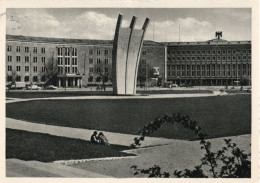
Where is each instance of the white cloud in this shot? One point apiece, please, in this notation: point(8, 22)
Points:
point(93, 25)
point(190, 29)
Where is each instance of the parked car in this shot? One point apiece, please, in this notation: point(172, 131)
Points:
point(35, 87)
point(174, 85)
point(51, 87)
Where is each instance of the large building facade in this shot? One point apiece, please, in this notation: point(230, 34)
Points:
point(81, 62)
point(213, 62)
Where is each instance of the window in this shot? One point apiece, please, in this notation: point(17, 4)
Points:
point(17, 48)
point(74, 52)
point(43, 78)
point(26, 68)
point(223, 58)
point(35, 78)
point(75, 70)
point(34, 68)
point(59, 51)
point(173, 70)
point(9, 48)
point(228, 58)
point(43, 50)
point(188, 58)
point(106, 70)
point(208, 52)
point(183, 52)
point(9, 68)
point(244, 51)
point(26, 78)
point(67, 69)
point(193, 58)
point(188, 70)
point(193, 52)
point(67, 51)
point(60, 70)
point(198, 70)
point(9, 58)
point(18, 58)
point(18, 78)
point(144, 52)
point(178, 70)
point(244, 57)
point(233, 51)
point(208, 58)
point(74, 61)
point(98, 79)
point(229, 52)
point(213, 70)
point(203, 70)
point(223, 70)
point(98, 51)
point(228, 70)
point(26, 49)
point(34, 59)
point(34, 49)
point(223, 52)
point(183, 58)
point(98, 70)
point(18, 68)
point(60, 61)
point(198, 58)
point(193, 70)
point(106, 52)
point(9, 78)
point(26, 59)
point(214, 52)
point(208, 70)
point(90, 60)
point(233, 58)
point(43, 60)
point(183, 70)
point(198, 52)
point(67, 60)
point(234, 70)
point(219, 58)
point(203, 52)
point(90, 79)
point(188, 52)
point(218, 70)
point(213, 58)
point(219, 52)
point(106, 61)
point(98, 60)
point(244, 69)
point(249, 51)
point(203, 58)
point(91, 69)
point(90, 52)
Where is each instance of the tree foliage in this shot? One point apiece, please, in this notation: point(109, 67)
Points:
point(235, 163)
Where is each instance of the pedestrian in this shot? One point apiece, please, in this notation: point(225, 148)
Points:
point(94, 138)
point(102, 139)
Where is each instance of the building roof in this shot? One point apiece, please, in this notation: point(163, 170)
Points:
point(70, 41)
point(215, 41)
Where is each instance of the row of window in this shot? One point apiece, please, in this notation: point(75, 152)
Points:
point(207, 70)
point(26, 49)
point(98, 60)
point(98, 52)
point(209, 52)
point(67, 61)
point(26, 78)
point(67, 70)
point(26, 59)
point(67, 52)
point(98, 70)
point(26, 68)
point(209, 58)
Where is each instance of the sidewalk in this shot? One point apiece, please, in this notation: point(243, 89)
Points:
point(153, 96)
point(85, 134)
point(19, 168)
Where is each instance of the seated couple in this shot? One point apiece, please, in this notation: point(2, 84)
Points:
point(99, 139)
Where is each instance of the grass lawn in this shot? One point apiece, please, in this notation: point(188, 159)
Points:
point(46, 148)
point(46, 94)
point(218, 116)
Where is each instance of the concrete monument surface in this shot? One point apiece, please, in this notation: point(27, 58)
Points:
point(127, 48)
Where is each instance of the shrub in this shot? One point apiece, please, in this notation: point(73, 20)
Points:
point(235, 163)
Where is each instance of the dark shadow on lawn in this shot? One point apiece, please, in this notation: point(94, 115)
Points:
point(47, 148)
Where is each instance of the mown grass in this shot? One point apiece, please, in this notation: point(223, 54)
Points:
point(46, 148)
point(218, 116)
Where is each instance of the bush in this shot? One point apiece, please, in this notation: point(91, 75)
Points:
point(235, 163)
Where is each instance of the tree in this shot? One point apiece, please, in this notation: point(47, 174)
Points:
point(104, 72)
point(144, 72)
point(50, 74)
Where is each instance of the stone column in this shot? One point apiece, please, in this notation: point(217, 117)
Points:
point(59, 82)
point(66, 82)
point(78, 82)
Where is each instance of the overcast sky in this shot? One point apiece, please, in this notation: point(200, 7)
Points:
point(100, 23)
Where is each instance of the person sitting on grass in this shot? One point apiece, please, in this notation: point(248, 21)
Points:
point(94, 138)
point(102, 139)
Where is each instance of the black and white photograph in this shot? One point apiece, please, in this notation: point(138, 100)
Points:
point(129, 92)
